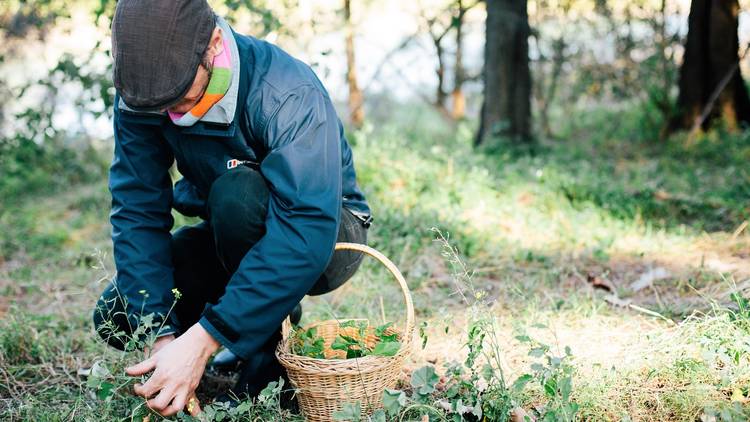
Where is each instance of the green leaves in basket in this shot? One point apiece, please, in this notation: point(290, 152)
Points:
point(388, 344)
point(382, 332)
point(308, 343)
point(386, 348)
point(424, 379)
point(360, 325)
point(353, 347)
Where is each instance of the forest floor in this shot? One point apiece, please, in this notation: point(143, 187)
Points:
point(626, 251)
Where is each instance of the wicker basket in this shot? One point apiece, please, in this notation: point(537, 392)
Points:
point(324, 385)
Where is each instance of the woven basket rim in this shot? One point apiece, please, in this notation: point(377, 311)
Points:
point(364, 364)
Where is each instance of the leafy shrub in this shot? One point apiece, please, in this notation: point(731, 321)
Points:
point(27, 167)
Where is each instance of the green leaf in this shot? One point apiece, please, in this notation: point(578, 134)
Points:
point(477, 410)
point(339, 343)
point(573, 408)
point(354, 353)
point(386, 348)
point(147, 320)
point(423, 333)
point(349, 339)
point(537, 352)
point(99, 370)
point(453, 391)
point(550, 388)
point(487, 372)
point(308, 343)
point(381, 329)
point(382, 332)
point(311, 333)
point(551, 416)
point(105, 390)
point(378, 416)
point(349, 323)
point(244, 407)
point(272, 390)
point(424, 380)
point(393, 401)
point(521, 382)
point(566, 387)
point(349, 412)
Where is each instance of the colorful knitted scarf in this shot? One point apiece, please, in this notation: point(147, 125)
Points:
point(221, 78)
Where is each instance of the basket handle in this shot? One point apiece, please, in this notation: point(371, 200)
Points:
point(341, 246)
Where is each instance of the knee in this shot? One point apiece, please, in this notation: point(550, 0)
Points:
point(110, 319)
point(238, 204)
point(184, 241)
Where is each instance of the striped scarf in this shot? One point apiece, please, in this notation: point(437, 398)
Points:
point(221, 77)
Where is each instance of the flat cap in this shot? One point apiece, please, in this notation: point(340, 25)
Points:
point(157, 47)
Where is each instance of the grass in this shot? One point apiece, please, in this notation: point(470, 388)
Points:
point(599, 207)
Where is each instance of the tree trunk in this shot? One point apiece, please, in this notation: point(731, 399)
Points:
point(506, 111)
point(356, 99)
point(440, 94)
point(710, 83)
point(458, 111)
point(558, 60)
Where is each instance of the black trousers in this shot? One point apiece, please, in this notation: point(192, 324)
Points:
point(207, 254)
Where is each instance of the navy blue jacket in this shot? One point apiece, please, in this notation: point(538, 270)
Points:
point(282, 119)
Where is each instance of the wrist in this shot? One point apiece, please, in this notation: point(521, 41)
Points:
point(207, 342)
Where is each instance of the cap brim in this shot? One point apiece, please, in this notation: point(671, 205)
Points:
point(161, 106)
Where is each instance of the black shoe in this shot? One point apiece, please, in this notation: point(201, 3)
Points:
point(224, 362)
point(296, 315)
point(227, 363)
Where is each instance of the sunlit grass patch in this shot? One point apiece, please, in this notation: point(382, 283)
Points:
point(678, 374)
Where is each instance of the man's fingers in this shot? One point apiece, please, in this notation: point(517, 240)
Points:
point(161, 401)
point(144, 367)
point(138, 389)
point(145, 390)
point(178, 403)
point(150, 387)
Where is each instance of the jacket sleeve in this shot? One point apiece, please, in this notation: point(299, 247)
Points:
point(303, 172)
point(141, 219)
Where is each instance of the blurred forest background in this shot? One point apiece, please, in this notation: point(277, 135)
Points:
point(514, 72)
point(589, 159)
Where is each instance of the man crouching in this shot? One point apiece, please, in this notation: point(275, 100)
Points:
point(266, 167)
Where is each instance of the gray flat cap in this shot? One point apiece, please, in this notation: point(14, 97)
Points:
point(157, 46)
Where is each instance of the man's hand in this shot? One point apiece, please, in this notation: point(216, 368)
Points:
point(178, 366)
point(158, 344)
